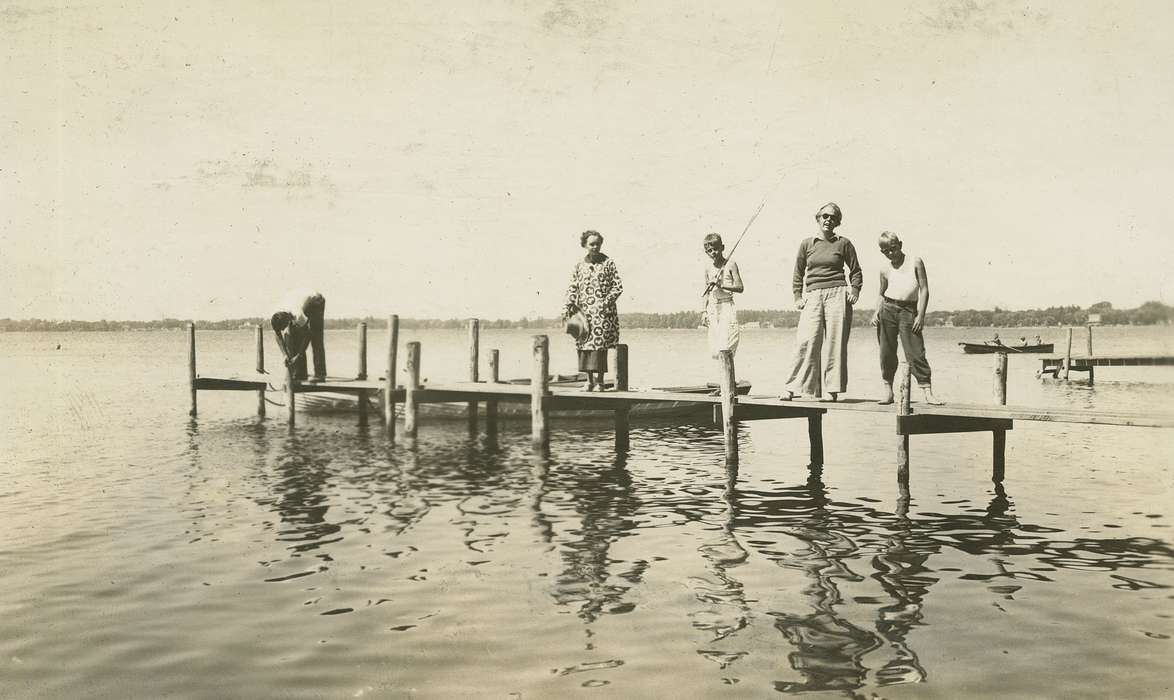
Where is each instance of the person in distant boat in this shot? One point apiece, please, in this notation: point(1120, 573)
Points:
point(595, 286)
point(299, 325)
point(824, 294)
point(900, 313)
point(722, 281)
point(1039, 340)
point(995, 340)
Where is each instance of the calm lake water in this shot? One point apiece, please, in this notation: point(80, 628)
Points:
point(147, 555)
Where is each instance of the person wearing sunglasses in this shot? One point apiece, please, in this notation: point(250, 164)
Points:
point(826, 283)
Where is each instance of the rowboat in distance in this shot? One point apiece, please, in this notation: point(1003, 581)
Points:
point(329, 402)
point(991, 347)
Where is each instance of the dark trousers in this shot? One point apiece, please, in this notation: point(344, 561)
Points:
point(896, 321)
point(314, 308)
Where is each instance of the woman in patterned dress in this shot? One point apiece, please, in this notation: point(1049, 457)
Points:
point(595, 286)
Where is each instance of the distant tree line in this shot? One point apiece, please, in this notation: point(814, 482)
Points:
point(1149, 313)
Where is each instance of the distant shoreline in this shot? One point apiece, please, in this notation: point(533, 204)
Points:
point(1101, 314)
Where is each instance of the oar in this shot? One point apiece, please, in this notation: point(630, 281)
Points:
point(711, 285)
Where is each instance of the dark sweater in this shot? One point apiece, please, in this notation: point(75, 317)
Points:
point(823, 263)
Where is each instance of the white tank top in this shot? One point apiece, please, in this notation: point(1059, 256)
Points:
point(903, 281)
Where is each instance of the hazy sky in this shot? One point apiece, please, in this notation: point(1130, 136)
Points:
point(196, 159)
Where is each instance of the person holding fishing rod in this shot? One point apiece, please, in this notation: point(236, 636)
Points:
point(722, 281)
point(824, 295)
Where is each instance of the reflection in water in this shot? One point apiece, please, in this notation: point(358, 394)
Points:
point(324, 485)
point(729, 611)
point(605, 505)
point(303, 473)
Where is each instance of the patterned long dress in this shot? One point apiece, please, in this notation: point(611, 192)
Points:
point(593, 290)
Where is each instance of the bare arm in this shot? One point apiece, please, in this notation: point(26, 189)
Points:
point(880, 296)
point(922, 295)
point(735, 277)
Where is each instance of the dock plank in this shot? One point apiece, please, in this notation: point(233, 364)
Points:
point(752, 407)
point(1078, 361)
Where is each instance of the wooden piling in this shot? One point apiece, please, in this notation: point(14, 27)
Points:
point(411, 406)
point(728, 388)
point(903, 409)
point(815, 438)
point(1000, 379)
point(999, 444)
point(1091, 369)
point(999, 456)
point(260, 337)
point(192, 365)
point(1068, 356)
point(622, 427)
point(362, 373)
point(539, 431)
point(389, 380)
point(474, 363)
point(289, 394)
point(491, 405)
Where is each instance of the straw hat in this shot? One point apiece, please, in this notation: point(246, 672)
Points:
point(576, 326)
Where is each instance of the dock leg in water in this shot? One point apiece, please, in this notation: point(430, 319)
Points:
point(474, 363)
point(192, 365)
point(491, 404)
point(539, 431)
point(622, 427)
point(260, 337)
point(729, 428)
point(389, 386)
point(999, 456)
point(903, 409)
point(411, 406)
point(815, 437)
point(289, 396)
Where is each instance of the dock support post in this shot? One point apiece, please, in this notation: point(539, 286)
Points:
point(539, 431)
point(622, 385)
point(474, 362)
point(903, 409)
point(260, 336)
point(411, 406)
point(1068, 355)
point(289, 394)
point(389, 381)
point(1091, 369)
point(815, 437)
point(362, 373)
point(999, 452)
point(1000, 383)
point(192, 365)
point(491, 405)
point(999, 445)
point(728, 387)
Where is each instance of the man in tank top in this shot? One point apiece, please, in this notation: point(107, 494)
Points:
point(900, 314)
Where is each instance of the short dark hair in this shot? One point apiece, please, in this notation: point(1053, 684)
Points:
point(588, 234)
point(714, 239)
point(281, 320)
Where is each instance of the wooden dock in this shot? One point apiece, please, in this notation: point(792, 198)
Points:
point(909, 418)
point(1059, 366)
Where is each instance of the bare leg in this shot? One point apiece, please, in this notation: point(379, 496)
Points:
point(887, 397)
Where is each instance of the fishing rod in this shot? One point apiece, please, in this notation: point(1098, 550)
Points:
point(711, 285)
